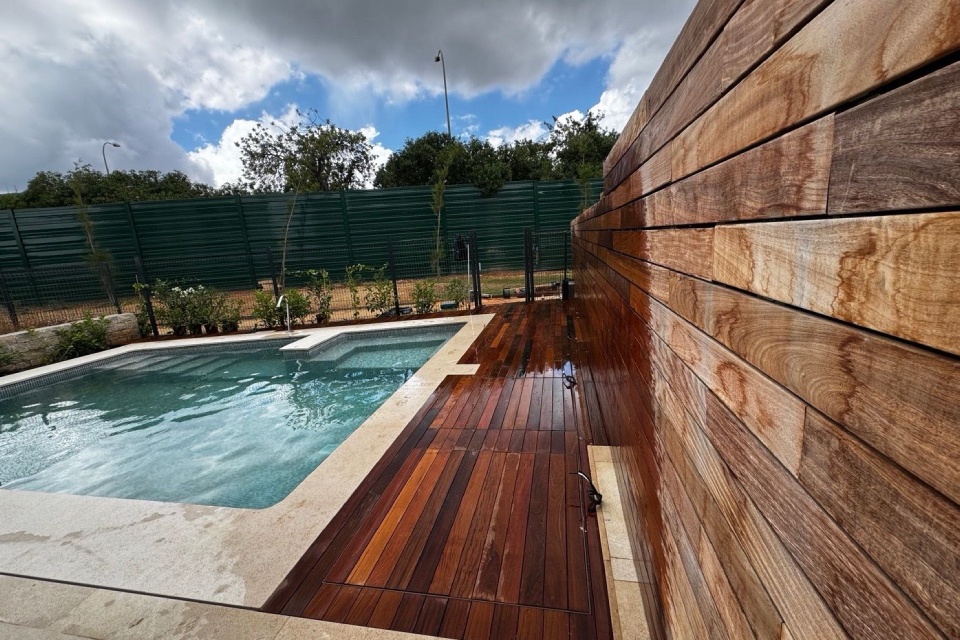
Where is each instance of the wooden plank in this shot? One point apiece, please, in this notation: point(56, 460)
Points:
point(869, 604)
point(447, 567)
point(531, 583)
point(784, 178)
point(530, 624)
point(364, 607)
point(505, 622)
point(912, 532)
point(482, 511)
point(431, 616)
point(455, 619)
point(853, 376)
point(508, 587)
point(775, 416)
point(555, 546)
point(896, 274)
point(489, 570)
point(900, 150)
point(407, 613)
point(479, 621)
point(728, 606)
point(732, 570)
point(693, 573)
point(801, 606)
point(847, 50)
point(374, 549)
point(416, 538)
point(687, 250)
point(758, 28)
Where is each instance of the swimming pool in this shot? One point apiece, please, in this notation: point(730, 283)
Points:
point(232, 425)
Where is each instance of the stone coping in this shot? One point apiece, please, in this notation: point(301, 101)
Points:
point(37, 609)
point(196, 552)
point(627, 610)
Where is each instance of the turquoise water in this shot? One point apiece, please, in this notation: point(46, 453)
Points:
point(232, 426)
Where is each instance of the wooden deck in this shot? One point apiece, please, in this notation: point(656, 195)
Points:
point(472, 525)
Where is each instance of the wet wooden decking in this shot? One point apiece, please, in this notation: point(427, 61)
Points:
point(472, 525)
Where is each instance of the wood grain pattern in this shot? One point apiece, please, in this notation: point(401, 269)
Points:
point(848, 49)
point(885, 273)
point(687, 250)
point(684, 399)
point(869, 604)
point(919, 547)
point(784, 178)
point(853, 376)
point(900, 150)
point(773, 415)
point(758, 28)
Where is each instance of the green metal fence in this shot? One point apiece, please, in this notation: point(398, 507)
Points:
point(247, 226)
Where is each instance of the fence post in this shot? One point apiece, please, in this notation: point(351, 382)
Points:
point(145, 292)
point(345, 215)
point(475, 271)
point(566, 253)
point(273, 274)
point(24, 258)
point(246, 240)
point(8, 302)
point(106, 275)
point(136, 237)
point(528, 264)
point(393, 276)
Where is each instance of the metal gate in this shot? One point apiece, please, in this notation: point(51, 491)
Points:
point(546, 261)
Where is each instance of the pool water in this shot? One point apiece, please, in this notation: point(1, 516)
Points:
point(232, 425)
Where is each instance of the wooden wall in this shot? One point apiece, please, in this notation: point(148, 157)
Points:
point(769, 305)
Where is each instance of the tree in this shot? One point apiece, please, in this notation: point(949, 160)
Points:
point(529, 160)
point(55, 189)
point(579, 147)
point(417, 162)
point(312, 155)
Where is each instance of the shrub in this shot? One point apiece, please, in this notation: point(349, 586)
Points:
point(456, 290)
point(81, 338)
point(229, 317)
point(354, 274)
point(425, 295)
point(379, 291)
point(321, 287)
point(265, 309)
point(6, 357)
point(299, 307)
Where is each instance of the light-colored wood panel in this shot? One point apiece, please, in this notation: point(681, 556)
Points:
point(775, 416)
point(786, 177)
point(912, 532)
point(687, 250)
point(900, 150)
point(849, 48)
point(727, 604)
point(896, 274)
point(636, 123)
point(703, 598)
point(759, 27)
point(869, 604)
point(853, 376)
point(798, 602)
point(742, 580)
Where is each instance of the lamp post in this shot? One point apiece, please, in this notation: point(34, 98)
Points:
point(446, 100)
point(103, 151)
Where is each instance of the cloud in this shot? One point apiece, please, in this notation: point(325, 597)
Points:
point(85, 71)
point(531, 130)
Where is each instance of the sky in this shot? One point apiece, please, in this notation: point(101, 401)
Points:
point(176, 84)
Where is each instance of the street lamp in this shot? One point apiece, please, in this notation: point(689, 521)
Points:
point(103, 150)
point(446, 100)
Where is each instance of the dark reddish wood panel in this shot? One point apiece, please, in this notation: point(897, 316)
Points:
point(473, 526)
